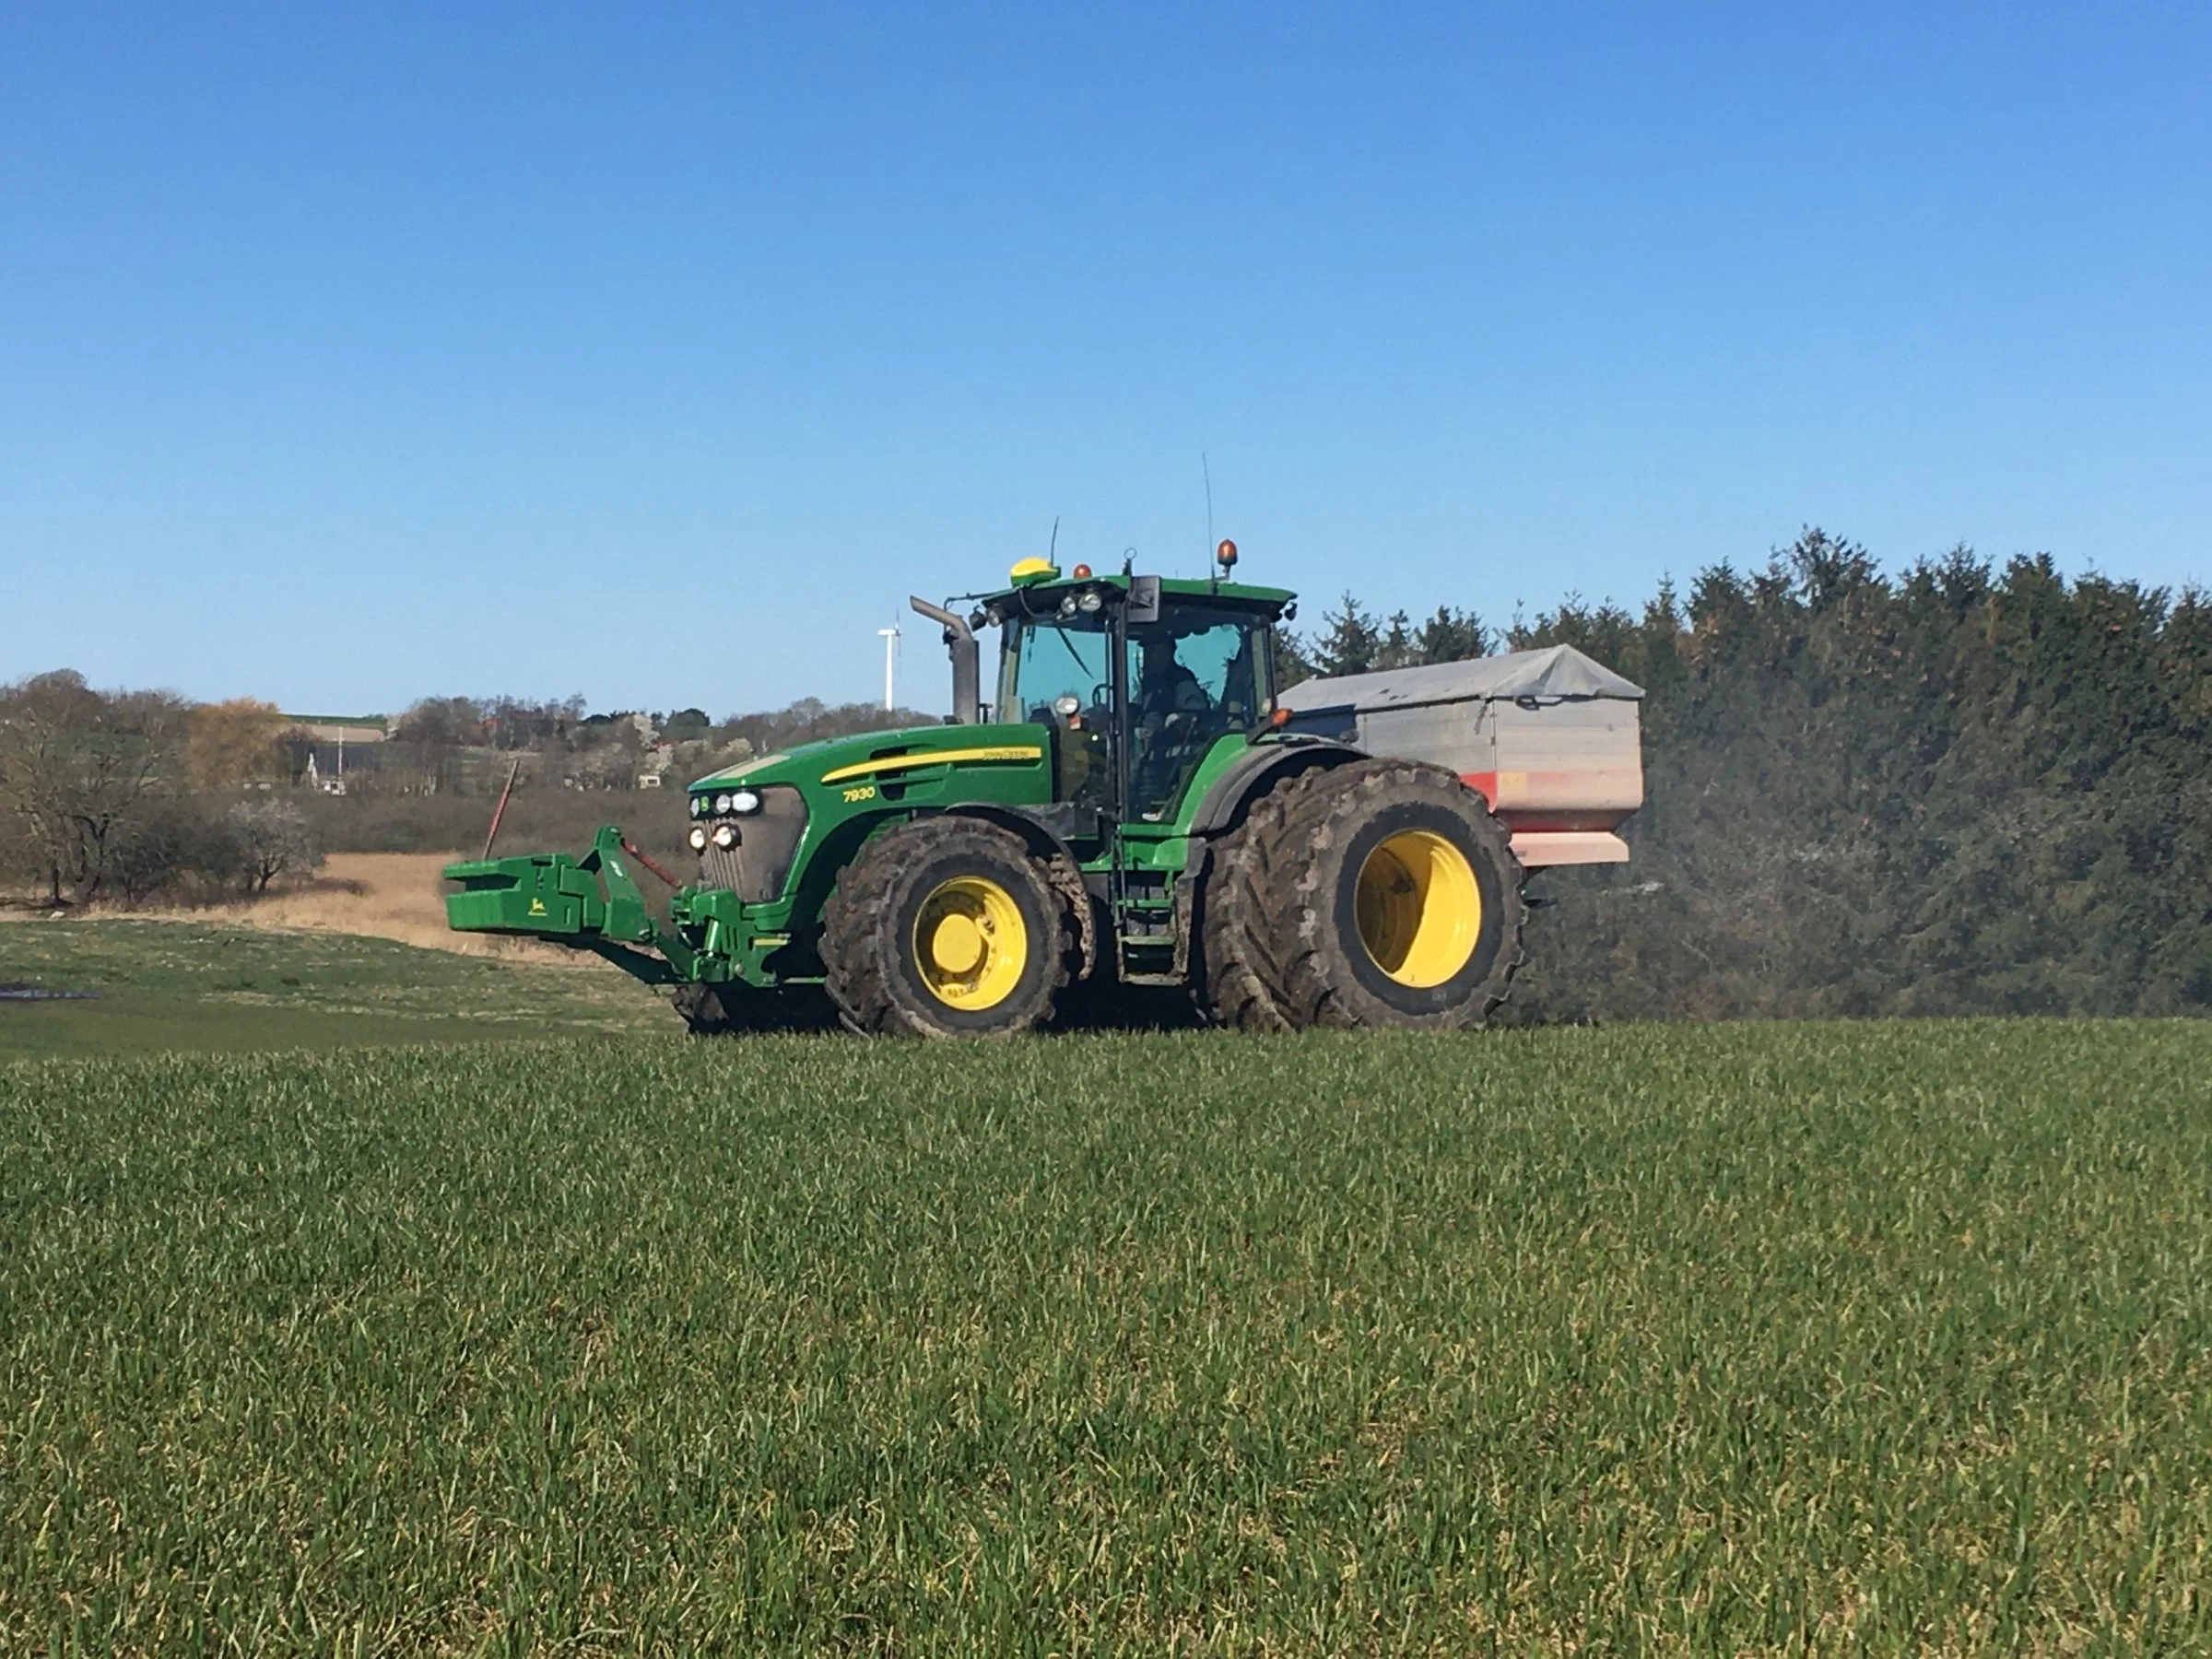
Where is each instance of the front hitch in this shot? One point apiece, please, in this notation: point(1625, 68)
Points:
point(588, 903)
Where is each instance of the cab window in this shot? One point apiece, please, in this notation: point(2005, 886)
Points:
point(1193, 678)
point(1049, 660)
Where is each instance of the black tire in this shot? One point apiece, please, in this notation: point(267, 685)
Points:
point(1231, 986)
point(1281, 937)
point(871, 946)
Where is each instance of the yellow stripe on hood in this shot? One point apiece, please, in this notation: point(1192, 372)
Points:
point(932, 758)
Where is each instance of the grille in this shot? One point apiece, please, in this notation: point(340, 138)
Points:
point(756, 867)
point(720, 869)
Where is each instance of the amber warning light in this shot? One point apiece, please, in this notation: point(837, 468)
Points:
point(1226, 553)
point(1082, 572)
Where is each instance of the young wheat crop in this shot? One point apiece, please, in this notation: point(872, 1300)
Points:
point(1881, 1338)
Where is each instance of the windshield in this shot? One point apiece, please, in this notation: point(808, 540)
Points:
point(1054, 659)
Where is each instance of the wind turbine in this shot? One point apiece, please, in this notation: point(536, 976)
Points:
point(891, 666)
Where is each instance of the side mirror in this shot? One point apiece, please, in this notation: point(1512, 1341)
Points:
point(1144, 599)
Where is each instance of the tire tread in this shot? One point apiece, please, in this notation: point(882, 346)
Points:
point(859, 925)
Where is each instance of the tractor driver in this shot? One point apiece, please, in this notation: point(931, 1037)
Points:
point(1165, 685)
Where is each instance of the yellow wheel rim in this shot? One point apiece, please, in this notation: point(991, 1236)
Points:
point(1420, 908)
point(970, 944)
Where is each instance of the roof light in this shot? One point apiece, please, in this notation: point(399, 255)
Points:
point(1082, 572)
point(1226, 554)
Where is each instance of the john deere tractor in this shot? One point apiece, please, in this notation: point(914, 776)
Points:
point(1136, 808)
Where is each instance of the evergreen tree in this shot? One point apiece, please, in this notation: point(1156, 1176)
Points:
point(1450, 636)
point(1292, 662)
point(1396, 650)
point(1961, 791)
point(1350, 642)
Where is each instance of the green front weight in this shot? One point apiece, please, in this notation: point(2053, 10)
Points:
point(546, 893)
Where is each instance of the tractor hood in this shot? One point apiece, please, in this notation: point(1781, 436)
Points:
point(1009, 763)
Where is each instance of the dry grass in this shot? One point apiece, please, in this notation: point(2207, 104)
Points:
point(383, 896)
point(375, 895)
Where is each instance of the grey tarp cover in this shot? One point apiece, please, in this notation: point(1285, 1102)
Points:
point(1556, 671)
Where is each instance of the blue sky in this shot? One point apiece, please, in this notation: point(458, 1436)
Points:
point(349, 355)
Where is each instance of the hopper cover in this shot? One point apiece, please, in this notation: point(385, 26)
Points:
point(1555, 671)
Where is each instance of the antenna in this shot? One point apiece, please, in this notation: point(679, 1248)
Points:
point(1209, 471)
point(1051, 554)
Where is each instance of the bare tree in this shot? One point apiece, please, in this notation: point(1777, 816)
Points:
point(240, 741)
point(430, 738)
point(274, 838)
point(79, 771)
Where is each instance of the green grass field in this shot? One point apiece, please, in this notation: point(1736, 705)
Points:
point(1893, 1339)
point(162, 986)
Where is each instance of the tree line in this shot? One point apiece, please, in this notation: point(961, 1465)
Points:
point(125, 796)
point(1964, 789)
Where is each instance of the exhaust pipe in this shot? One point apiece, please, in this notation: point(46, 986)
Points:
point(967, 662)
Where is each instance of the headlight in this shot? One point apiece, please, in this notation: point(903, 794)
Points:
point(725, 836)
point(696, 805)
point(1091, 602)
point(1068, 706)
point(1067, 606)
point(744, 800)
point(721, 803)
point(698, 837)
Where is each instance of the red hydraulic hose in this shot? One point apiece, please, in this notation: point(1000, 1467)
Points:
point(631, 848)
point(499, 811)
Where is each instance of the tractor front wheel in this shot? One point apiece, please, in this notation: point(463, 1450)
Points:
point(946, 927)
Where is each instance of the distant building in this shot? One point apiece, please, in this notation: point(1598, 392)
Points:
point(348, 729)
point(328, 765)
point(653, 764)
point(319, 743)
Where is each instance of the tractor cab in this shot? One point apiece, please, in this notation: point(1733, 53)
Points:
point(1138, 677)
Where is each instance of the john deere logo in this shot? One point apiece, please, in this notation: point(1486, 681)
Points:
point(537, 907)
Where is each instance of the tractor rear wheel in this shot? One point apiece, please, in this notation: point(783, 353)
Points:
point(1380, 893)
point(946, 927)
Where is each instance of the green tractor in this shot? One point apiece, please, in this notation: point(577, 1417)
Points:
point(1139, 807)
